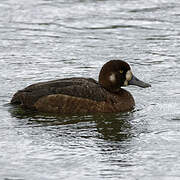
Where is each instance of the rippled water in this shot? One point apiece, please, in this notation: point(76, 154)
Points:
point(49, 39)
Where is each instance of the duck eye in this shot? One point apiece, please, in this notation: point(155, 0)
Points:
point(121, 71)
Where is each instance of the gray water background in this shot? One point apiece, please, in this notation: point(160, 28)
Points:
point(49, 39)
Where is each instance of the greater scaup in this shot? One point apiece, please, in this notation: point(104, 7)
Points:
point(83, 95)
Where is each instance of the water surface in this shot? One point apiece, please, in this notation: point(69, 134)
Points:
point(49, 39)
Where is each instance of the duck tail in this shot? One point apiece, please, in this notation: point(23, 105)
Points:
point(16, 99)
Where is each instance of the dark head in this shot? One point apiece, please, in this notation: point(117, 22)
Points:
point(117, 73)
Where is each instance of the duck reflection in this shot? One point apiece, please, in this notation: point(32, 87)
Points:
point(113, 127)
point(116, 127)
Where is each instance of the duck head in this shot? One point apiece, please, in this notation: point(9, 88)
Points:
point(117, 73)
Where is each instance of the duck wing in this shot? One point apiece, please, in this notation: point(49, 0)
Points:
point(77, 87)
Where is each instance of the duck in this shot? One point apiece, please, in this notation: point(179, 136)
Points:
point(83, 95)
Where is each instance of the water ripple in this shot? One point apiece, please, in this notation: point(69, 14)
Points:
point(50, 39)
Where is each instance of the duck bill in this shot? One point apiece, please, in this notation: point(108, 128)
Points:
point(135, 81)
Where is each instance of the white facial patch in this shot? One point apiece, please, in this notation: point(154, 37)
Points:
point(129, 75)
point(125, 83)
point(112, 78)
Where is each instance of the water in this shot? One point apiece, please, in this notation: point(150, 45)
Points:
point(49, 39)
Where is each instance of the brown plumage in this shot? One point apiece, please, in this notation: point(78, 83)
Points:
point(80, 95)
